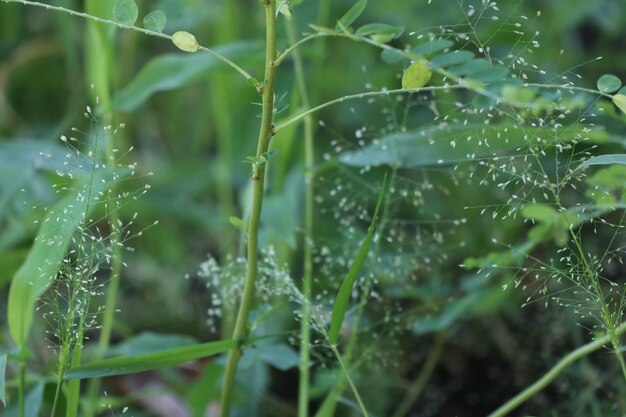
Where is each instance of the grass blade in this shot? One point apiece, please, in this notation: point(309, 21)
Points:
point(138, 363)
point(44, 260)
point(343, 297)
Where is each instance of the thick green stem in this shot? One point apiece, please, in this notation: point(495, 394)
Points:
point(258, 180)
point(551, 375)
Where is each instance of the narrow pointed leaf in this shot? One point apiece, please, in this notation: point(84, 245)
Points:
point(43, 261)
point(351, 15)
point(618, 158)
point(123, 365)
point(343, 296)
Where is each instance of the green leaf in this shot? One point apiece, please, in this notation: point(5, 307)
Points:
point(451, 58)
point(618, 158)
point(416, 75)
point(343, 296)
point(380, 32)
point(171, 71)
point(539, 212)
point(451, 144)
point(351, 15)
point(391, 56)
point(185, 41)
point(43, 261)
point(471, 67)
point(620, 101)
point(3, 367)
point(148, 342)
point(155, 21)
point(138, 363)
point(125, 12)
point(608, 83)
point(279, 355)
point(432, 47)
point(32, 403)
point(238, 223)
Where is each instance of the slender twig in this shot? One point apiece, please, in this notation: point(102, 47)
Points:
point(315, 109)
point(551, 375)
point(258, 180)
point(350, 382)
point(217, 55)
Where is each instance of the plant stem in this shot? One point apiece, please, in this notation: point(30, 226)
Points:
point(418, 385)
point(99, 59)
point(345, 371)
point(551, 375)
point(307, 278)
point(219, 56)
point(21, 388)
point(258, 180)
point(57, 393)
point(363, 95)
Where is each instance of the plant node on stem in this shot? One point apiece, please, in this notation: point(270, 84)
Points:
point(265, 134)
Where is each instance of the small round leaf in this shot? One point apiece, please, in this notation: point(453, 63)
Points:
point(155, 21)
point(185, 41)
point(416, 75)
point(125, 12)
point(608, 83)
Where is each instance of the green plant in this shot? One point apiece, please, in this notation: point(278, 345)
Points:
point(480, 118)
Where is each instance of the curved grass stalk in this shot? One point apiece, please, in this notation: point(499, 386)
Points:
point(551, 375)
point(258, 180)
point(349, 379)
point(217, 55)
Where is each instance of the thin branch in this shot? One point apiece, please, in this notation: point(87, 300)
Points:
point(551, 375)
point(217, 55)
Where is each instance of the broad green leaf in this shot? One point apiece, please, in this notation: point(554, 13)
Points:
point(451, 58)
point(343, 296)
point(471, 67)
point(618, 158)
point(172, 71)
point(351, 15)
point(608, 83)
point(138, 363)
point(43, 261)
point(279, 355)
point(380, 32)
point(391, 56)
point(148, 342)
point(125, 12)
point(620, 101)
point(431, 47)
point(32, 403)
point(3, 367)
point(539, 212)
point(438, 145)
point(185, 41)
point(416, 75)
point(155, 21)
